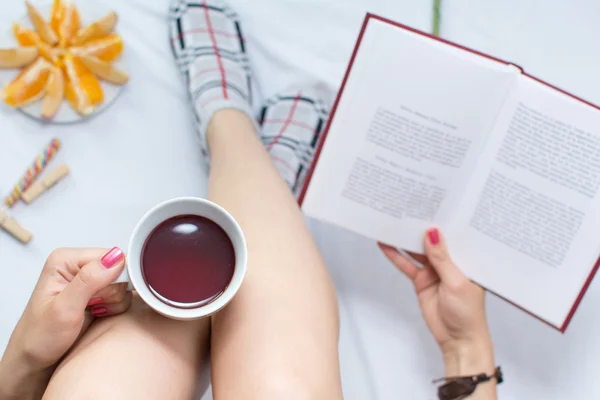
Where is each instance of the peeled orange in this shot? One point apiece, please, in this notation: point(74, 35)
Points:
point(98, 29)
point(55, 93)
point(42, 27)
point(56, 15)
point(108, 48)
point(105, 70)
point(69, 23)
point(28, 86)
point(83, 90)
point(28, 37)
point(18, 58)
point(62, 60)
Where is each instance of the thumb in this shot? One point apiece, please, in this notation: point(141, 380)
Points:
point(91, 278)
point(439, 258)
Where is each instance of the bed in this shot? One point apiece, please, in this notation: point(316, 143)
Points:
point(143, 151)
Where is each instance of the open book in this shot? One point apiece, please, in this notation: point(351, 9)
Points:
point(425, 132)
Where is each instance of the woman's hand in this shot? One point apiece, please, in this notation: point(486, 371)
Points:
point(71, 281)
point(453, 308)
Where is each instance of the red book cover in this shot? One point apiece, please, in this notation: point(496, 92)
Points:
point(369, 17)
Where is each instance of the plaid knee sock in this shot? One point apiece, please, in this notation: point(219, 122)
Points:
point(292, 123)
point(210, 52)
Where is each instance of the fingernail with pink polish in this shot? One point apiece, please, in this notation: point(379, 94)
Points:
point(112, 258)
point(95, 301)
point(98, 311)
point(434, 236)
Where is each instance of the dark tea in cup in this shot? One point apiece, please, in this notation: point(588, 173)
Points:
point(188, 261)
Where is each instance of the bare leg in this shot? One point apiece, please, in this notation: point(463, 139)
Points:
point(278, 338)
point(136, 355)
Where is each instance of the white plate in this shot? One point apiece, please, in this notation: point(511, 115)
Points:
point(89, 13)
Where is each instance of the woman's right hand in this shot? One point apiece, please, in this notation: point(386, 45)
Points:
point(71, 282)
point(453, 308)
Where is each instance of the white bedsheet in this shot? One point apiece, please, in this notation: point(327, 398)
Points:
point(143, 151)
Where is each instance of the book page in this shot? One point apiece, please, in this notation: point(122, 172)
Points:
point(410, 124)
point(534, 203)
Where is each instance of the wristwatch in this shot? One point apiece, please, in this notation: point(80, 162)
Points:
point(460, 387)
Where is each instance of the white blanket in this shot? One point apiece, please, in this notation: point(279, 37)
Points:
point(143, 150)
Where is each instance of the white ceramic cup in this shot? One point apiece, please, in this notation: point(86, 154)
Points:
point(162, 212)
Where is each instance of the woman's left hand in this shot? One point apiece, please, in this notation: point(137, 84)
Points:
point(453, 308)
point(71, 281)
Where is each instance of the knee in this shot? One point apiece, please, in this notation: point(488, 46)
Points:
point(293, 388)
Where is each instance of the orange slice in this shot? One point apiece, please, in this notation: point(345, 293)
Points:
point(69, 23)
point(18, 58)
point(56, 15)
point(27, 37)
point(55, 93)
point(98, 29)
point(108, 48)
point(83, 90)
point(43, 28)
point(105, 70)
point(28, 86)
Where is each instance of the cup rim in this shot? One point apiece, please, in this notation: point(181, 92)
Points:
point(133, 261)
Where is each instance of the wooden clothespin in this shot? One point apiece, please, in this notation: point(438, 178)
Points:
point(11, 226)
point(45, 183)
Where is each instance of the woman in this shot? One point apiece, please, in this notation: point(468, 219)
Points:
point(80, 337)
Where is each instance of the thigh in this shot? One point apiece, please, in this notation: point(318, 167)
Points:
point(136, 355)
point(278, 338)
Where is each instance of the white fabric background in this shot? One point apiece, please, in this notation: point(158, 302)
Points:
point(143, 151)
